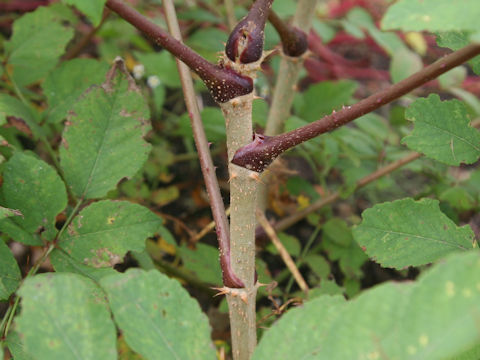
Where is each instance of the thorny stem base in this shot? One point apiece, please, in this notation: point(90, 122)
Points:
point(243, 191)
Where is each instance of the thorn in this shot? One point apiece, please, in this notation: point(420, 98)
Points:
point(254, 176)
point(244, 297)
point(233, 176)
point(221, 291)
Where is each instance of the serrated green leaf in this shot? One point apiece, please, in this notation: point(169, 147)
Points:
point(92, 8)
point(410, 233)
point(455, 40)
point(103, 140)
point(431, 319)
point(39, 39)
point(333, 94)
point(35, 189)
point(442, 131)
point(203, 262)
point(62, 262)
point(64, 316)
point(432, 15)
point(157, 316)
point(102, 233)
point(10, 275)
point(64, 85)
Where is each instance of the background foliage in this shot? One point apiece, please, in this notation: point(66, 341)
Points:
point(101, 189)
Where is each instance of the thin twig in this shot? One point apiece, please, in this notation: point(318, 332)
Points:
point(287, 259)
point(206, 162)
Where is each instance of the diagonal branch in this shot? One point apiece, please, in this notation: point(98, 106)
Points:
point(224, 83)
point(263, 150)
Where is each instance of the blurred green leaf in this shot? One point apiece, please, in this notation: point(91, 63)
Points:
point(39, 39)
point(203, 262)
point(213, 123)
point(455, 40)
point(35, 189)
point(103, 140)
point(102, 233)
point(161, 64)
point(291, 244)
point(65, 85)
point(92, 8)
point(157, 316)
point(393, 320)
point(16, 347)
point(333, 94)
point(64, 316)
point(432, 15)
point(10, 106)
point(404, 63)
point(459, 198)
point(410, 233)
point(10, 275)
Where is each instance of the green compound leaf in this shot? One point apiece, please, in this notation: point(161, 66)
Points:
point(442, 131)
point(64, 316)
point(434, 318)
point(432, 15)
point(35, 189)
point(39, 39)
point(102, 233)
point(92, 8)
point(65, 85)
point(157, 316)
point(10, 275)
point(103, 140)
point(410, 233)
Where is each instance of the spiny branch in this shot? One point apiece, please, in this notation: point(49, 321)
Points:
point(263, 150)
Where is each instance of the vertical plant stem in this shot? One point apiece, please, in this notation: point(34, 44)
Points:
point(206, 163)
point(243, 189)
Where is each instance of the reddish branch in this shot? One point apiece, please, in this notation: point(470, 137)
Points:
point(294, 40)
point(224, 83)
point(245, 43)
point(263, 150)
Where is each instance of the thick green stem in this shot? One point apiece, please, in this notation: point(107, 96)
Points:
point(243, 189)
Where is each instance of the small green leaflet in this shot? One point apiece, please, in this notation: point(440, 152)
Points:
point(102, 233)
point(391, 321)
point(9, 272)
point(39, 39)
point(157, 316)
point(410, 233)
point(65, 316)
point(442, 131)
point(36, 190)
point(432, 15)
point(103, 138)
